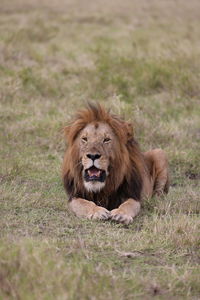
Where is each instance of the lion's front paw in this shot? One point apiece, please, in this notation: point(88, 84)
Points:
point(100, 213)
point(121, 217)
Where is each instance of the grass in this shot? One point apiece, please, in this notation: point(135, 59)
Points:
point(141, 58)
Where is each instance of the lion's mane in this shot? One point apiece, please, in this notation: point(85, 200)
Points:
point(125, 178)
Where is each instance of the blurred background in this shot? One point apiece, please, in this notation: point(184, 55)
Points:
point(141, 59)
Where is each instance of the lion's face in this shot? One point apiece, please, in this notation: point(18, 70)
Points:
point(97, 144)
point(102, 157)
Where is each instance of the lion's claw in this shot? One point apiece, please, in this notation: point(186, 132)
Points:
point(100, 213)
point(121, 217)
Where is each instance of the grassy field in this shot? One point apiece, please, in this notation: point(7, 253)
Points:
point(142, 59)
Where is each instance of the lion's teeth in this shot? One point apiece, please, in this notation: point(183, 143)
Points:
point(94, 173)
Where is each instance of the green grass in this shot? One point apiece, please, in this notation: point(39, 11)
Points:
point(142, 59)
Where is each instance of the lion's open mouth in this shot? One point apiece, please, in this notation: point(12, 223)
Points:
point(94, 174)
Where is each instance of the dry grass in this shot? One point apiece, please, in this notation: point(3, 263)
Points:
point(142, 59)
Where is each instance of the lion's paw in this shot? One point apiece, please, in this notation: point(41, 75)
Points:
point(100, 213)
point(120, 217)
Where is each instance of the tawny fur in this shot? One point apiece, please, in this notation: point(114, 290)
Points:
point(133, 175)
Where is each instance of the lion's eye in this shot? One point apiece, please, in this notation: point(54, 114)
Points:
point(107, 140)
point(84, 139)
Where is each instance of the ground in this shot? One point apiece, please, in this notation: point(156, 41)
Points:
point(142, 59)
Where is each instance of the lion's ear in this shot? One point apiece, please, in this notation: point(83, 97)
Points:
point(129, 130)
point(66, 131)
point(71, 131)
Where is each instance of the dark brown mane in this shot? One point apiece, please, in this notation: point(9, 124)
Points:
point(126, 173)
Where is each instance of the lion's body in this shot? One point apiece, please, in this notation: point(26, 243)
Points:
point(105, 174)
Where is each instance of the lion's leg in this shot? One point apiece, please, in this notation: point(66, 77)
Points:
point(126, 211)
point(88, 209)
point(158, 166)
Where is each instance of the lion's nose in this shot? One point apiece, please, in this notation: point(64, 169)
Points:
point(93, 156)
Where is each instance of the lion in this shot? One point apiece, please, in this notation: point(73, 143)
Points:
point(104, 171)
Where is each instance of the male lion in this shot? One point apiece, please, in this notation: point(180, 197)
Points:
point(104, 172)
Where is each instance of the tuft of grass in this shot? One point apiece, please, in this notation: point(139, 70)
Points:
point(141, 59)
point(133, 76)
